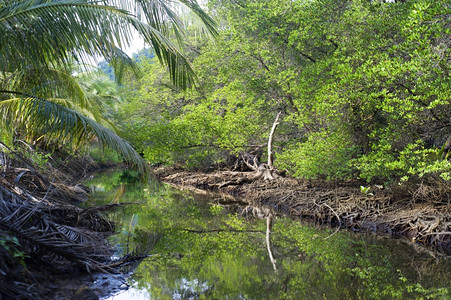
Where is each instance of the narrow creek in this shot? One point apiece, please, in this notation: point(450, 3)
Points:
point(200, 249)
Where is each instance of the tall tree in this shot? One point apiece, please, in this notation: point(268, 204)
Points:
point(39, 41)
point(363, 86)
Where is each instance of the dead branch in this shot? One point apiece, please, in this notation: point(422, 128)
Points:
point(247, 158)
point(271, 134)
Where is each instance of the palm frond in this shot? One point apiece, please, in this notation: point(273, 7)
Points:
point(100, 87)
point(121, 62)
point(42, 33)
point(179, 67)
point(157, 13)
point(161, 15)
point(162, 20)
point(85, 92)
point(210, 24)
point(48, 83)
point(37, 117)
point(45, 34)
point(38, 224)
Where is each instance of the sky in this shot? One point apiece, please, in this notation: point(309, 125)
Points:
point(136, 45)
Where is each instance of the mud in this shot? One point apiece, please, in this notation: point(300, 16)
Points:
point(419, 210)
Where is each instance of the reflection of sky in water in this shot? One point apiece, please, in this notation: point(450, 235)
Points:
point(190, 289)
point(131, 293)
point(225, 256)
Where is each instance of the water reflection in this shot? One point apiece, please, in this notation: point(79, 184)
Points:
point(205, 250)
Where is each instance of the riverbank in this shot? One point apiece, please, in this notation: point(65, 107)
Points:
point(48, 244)
point(418, 211)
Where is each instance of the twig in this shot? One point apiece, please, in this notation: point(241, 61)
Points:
point(29, 164)
point(438, 233)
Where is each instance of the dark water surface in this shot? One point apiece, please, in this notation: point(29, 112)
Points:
point(204, 250)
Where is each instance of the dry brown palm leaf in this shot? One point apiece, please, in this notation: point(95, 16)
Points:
point(38, 230)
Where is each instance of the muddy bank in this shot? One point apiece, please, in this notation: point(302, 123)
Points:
point(48, 244)
point(419, 211)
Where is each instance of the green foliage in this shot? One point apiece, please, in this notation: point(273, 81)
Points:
point(208, 251)
point(363, 87)
point(128, 176)
point(196, 128)
point(322, 155)
point(414, 159)
point(12, 246)
point(37, 158)
point(40, 98)
point(104, 156)
point(216, 209)
point(366, 190)
point(192, 128)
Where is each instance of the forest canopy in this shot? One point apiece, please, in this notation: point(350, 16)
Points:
point(363, 87)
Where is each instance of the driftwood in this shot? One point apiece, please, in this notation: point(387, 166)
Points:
point(229, 179)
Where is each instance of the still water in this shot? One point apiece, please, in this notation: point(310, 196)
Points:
point(201, 249)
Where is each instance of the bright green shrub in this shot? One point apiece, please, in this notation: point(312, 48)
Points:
point(385, 164)
point(322, 155)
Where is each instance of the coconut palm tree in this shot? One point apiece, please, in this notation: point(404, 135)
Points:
point(41, 39)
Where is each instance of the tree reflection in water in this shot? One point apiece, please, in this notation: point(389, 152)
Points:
point(203, 250)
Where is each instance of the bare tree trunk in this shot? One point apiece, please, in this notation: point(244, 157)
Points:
point(271, 134)
point(265, 170)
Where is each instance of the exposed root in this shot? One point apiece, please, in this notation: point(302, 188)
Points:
point(338, 218)
point(419, 211)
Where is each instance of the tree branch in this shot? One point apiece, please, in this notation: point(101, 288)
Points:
point(262, 63)
point(291, 46)
point(271, 134)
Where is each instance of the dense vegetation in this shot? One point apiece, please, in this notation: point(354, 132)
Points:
point(52, 99)
point(363, 87)
point(203, 249)
point(45, 44)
